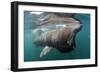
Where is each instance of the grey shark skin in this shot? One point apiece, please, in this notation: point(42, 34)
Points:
point(57, 32)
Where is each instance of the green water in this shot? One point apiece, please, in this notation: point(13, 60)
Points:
point(32, 52)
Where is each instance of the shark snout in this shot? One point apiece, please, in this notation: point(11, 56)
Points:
point(81, 26)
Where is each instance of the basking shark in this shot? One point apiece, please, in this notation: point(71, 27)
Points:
point(57, 31)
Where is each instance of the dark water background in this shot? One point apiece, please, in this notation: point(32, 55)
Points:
point(32, 52)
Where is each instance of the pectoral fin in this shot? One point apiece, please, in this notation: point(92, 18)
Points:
point(45, 51)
